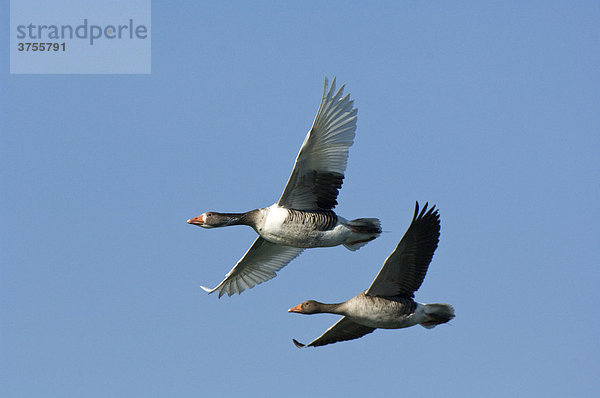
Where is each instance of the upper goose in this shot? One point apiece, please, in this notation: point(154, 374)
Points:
point(388, 303)
point(303, 216)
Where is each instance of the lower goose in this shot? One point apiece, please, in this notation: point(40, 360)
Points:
point(388, 303)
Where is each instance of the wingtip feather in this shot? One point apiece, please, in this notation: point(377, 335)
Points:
point(208, 290)
point(298, 344)
point(219, 288)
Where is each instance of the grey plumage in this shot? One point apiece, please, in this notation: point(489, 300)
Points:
point(388, 303)
point(302, 217)
point(319, 220)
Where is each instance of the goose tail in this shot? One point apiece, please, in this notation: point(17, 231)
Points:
point(436, 314)
point(365, 230)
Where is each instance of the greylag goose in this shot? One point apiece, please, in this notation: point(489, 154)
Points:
point(388, 303)
point(303, 216)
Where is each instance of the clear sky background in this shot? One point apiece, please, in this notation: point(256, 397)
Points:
point(491, 111)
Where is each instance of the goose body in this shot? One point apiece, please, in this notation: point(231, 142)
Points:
point(384, 312)
point(303, 217)
point(388, 303)
point(307, 229)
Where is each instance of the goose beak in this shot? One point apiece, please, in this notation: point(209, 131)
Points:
point(196, 221)
point(297, 309)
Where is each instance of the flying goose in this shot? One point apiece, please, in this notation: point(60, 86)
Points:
point(388, 303)
point(303, 216)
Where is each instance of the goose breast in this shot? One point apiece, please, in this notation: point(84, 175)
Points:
point(305, 229)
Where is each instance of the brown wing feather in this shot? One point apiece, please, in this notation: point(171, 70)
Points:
point(342, 330)
point(404, 270)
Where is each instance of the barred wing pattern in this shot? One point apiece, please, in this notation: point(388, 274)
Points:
point(319, 168)
point(260, 263)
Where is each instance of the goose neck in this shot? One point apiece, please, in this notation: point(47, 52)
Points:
point(336, 308)
point(248, 218)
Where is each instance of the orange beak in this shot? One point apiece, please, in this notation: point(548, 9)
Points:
point(297, 308)
point(196, 221)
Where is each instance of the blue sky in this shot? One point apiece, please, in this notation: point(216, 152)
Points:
point(490, 111)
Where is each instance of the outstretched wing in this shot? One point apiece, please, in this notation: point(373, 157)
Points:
point(259, 264)
point(319, 169)
point(404, 270)
point(342, 330)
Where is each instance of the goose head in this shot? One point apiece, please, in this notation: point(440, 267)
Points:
point(213, 219)
point(307, 307)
